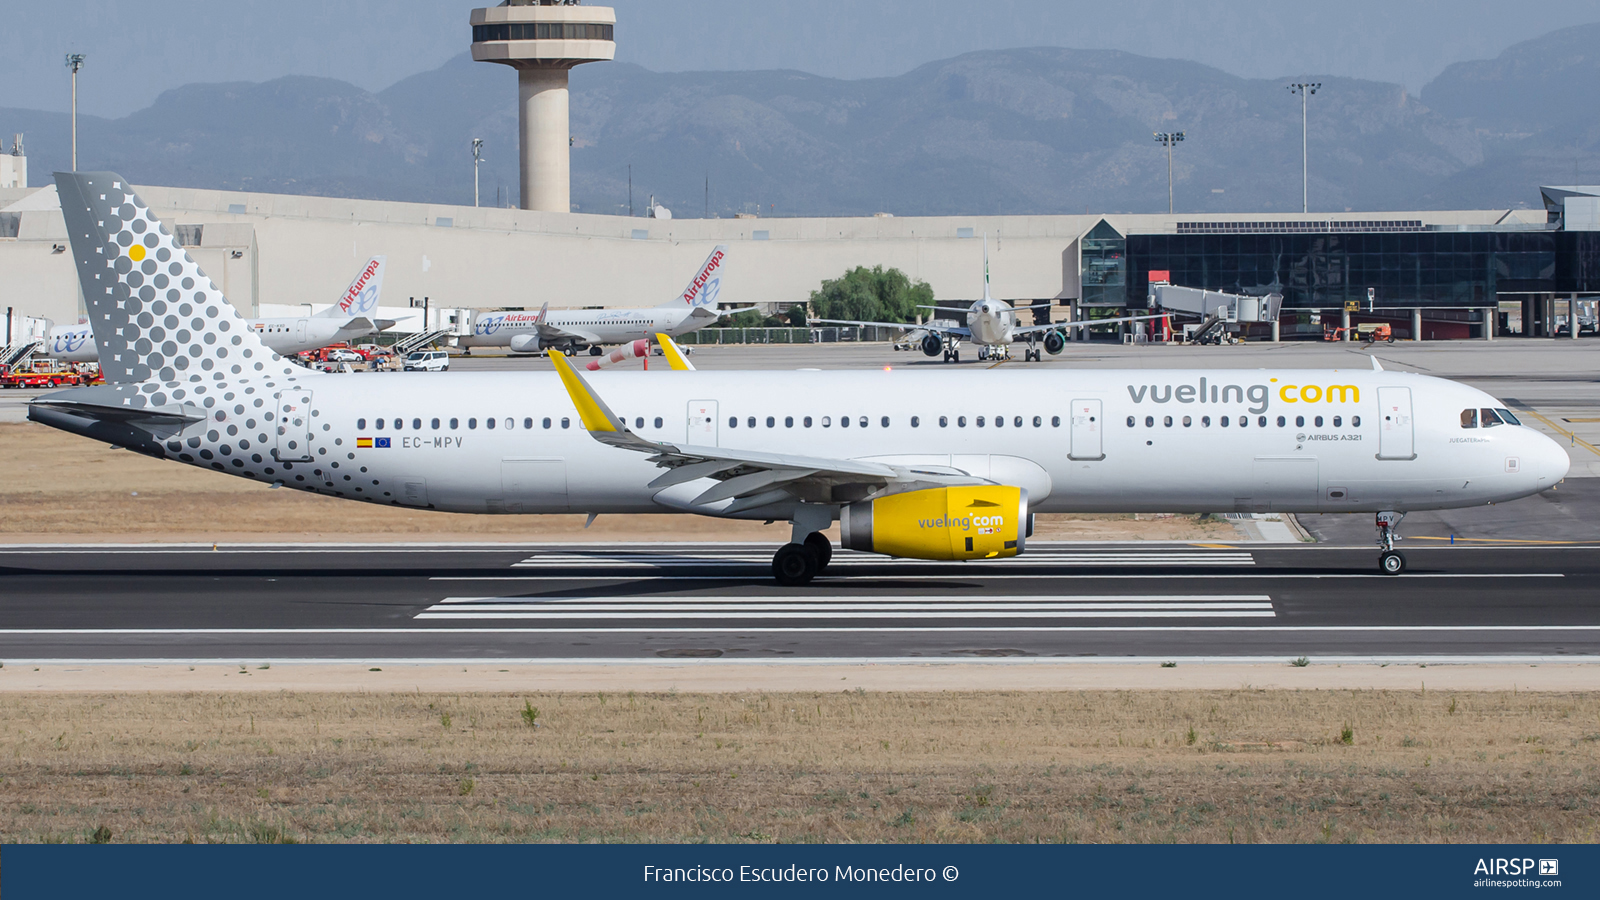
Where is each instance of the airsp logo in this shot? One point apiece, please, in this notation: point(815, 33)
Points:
point(1549, 867)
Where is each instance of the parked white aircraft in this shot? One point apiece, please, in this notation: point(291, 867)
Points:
point(575, 329)
point(348, 319)
point(927, 465)
point(992, 324)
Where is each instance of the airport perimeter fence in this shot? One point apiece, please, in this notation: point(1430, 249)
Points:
point(827, 335)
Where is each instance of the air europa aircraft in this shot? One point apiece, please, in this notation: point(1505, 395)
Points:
point(928, 465)
point(349, 318)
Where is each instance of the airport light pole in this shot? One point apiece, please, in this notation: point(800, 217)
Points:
point(74, 62)
point(1167, 139)
point(1304, 89)
point(477, 157)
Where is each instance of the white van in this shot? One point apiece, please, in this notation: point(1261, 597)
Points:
point(428, 361)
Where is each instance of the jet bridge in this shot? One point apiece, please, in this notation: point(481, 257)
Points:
point(1215, 309)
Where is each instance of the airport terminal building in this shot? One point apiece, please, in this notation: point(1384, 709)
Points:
point(1457, 274)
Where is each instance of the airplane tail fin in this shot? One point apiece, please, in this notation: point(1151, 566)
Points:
point(361, 297)
point(155, 314)
point(707, 282)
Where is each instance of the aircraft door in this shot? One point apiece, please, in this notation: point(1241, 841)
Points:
point(294, 426)
point(300, 331)
point(1088, 430)
point(1396, 435)
point(703, 423)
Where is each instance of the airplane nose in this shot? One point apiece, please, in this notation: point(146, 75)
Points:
point(1548, 461)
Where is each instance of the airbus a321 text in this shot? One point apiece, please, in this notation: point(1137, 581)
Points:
point(939, 465)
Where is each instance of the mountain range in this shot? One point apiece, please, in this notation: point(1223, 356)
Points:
point(1034, 130)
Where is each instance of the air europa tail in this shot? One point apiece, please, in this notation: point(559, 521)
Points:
point(703, 288)
point(361, 297)
point(156, 316)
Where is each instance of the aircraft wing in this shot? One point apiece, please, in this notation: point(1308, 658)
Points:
point(748, 478)
point(936, 329)
point(1081, 323)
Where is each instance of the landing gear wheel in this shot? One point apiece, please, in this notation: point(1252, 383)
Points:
point(595, 350)
point(983, 354)
point(794, 565)
point(1392, 563)
point(821, 548)
point(955, 356)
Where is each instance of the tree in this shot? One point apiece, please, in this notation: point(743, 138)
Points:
point(796, 315)
point(871, 295)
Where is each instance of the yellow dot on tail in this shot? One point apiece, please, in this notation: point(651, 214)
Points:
point(136, 252)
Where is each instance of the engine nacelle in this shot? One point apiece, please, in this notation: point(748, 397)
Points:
point(931, 345)
point(525, 343)
point(974, 522)
point(1054, 342)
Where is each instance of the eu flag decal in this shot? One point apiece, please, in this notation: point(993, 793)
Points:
point(380, 442)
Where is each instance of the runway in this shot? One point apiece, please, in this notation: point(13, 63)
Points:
point(254, 603)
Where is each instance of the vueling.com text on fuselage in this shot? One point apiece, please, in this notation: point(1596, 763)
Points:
point(1259, 395)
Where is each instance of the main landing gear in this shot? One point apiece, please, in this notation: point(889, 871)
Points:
point(796, 564)
point(1390, 561)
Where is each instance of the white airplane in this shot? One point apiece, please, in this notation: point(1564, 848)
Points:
point(348, 319)
point(941, 465)
point(573, 330)
point(992, 324)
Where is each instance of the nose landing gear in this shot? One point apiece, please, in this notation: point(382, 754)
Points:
point(1390, 561)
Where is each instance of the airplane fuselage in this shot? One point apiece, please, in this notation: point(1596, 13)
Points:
point(604, 326)
point(1078, 441)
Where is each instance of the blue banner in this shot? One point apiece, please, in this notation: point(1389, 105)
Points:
point(444, 871)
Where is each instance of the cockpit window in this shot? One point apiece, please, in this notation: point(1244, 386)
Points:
point(1469, 418)
point(1489, 418)
point(1507, 417)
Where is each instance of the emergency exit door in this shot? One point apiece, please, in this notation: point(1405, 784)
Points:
point(1088, 430)
point(1396, 435)
point(294, 426)
point(702, 423)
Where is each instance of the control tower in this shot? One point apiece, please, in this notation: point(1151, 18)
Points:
point(542, 40)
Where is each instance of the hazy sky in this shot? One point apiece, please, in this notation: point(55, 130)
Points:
point(137, 50)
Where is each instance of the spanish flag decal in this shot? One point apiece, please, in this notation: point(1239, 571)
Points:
point(363, 442)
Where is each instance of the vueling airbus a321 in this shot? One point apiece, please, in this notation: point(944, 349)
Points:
point(928, 465)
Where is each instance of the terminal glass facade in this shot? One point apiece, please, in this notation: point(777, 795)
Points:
point(1323, 271)
point(1104, 267)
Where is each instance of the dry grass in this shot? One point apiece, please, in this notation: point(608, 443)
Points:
point(1017, 766)
point(58, 486)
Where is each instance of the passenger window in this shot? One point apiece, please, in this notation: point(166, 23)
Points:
point(999, 421)
point(806, 421)
point(527, 424)
point(1299, 421)
point(961, 421)
point(1355, 421)
point(638, 422)
point(1262, 421)
point(1149, 421)
point(1469, 418)
point(1055, 421)
point(751, 421)
point(657, 422)
point(1016, 421)
point(1282, 421)
point(1223, 421)
point(915, 421)
point(733, 421)
point(1205, 421)
point(1337, 421)
point(884, 422)
point(1167, 421)
point(827, 421)
point(1038, 421)
point(944, 421)
point(361, 424)
point(416, 424)
point(1490, 420)
point(546, 422)
point(472, 423)
point(379, 422)
point(1187, 421)
point(863, 422)
point(844, 421)
point(435, 424)
point(1317, 421)
point(454, 424)
point(979, 421)
point(566, 422)
point(772, 422)
point(788, 421)
point(399, 424)
point(1130, 421)
point(487, 423)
